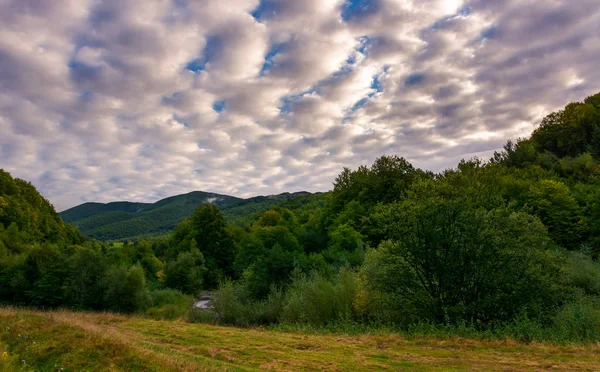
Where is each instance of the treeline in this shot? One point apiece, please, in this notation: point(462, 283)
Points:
point(120, 221)
point(509, 245)
point(512, 243)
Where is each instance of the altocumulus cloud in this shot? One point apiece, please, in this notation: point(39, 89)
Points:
point(122, 99)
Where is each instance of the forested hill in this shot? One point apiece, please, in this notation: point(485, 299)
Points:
point(27, 218)
point(127, 220)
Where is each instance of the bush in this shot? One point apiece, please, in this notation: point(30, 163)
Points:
point(524, 329)
point(582, 273)
point(169, 304)
point(125, 289)
point(310, 299)
point(578, 321)
point(317, 300)
point(233, 304)
point(186, 272)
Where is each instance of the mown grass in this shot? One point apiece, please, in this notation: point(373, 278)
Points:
point(49, 341)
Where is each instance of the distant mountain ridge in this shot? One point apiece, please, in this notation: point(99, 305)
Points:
point(129, 220)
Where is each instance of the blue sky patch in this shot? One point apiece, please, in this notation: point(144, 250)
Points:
point(376, 84)
point(213, 44)
point(359, 104)
point(365, 42)
point(414, 79)
point(180, 121)
point(197, 65)
point(353, 9)
point(489, 33)
point(275, 49)
point(265, 10)
point(465, 11)
point(219, 106)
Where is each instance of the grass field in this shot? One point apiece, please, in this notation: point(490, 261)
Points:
point(68, 341)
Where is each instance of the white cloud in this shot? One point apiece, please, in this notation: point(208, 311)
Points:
point(111, 100)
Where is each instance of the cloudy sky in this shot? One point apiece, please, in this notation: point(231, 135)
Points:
point(104, 100)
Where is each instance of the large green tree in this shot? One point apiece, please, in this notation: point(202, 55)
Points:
point(449, 261)
point(214, 240)
point(186, 273)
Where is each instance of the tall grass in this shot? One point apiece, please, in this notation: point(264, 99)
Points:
point(169, 304)
point(317, 300)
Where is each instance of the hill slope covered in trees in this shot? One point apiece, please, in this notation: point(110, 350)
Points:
point(27, 217)
point(127, 220)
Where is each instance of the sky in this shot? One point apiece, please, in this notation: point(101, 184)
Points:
point(139, 100)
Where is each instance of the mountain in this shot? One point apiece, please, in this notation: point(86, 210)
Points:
point(127, 220)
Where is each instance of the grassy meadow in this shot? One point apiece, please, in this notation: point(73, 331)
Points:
point(72, 341)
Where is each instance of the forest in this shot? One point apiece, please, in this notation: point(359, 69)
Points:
point(119, 221)
point(507, 246)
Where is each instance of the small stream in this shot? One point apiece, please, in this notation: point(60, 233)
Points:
point(203, 302)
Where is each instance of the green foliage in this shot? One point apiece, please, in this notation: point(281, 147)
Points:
point(571, 131)
point(317, 300)
point(127, 221)
point(125, 289)
point(268, 258)
point(504, 248)
point(557, 208)
point(169, 304)
point(214, 241)
point(30, 214)
point(186, 272)
point(595, 144)
point(233, 304)
point(346, 247)
point(386, 181)
point(272, 268)
point(578, 321)
point(518, 154)
point(582, 273)
point(269, 218)
point(86, 269)
point(45, 269)
point(449, 261)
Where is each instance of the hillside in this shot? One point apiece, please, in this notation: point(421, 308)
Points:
point(28, 217)
point(104, 342)
point(127, 220)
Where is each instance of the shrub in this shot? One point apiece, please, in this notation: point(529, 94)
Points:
point(583, 273)
point(233, 304)
point(125, 289)
point(578, 321)
point(169, 304)
point(186, 272)
point(317, 300)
